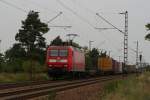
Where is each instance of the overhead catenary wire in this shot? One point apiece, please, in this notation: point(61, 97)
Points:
point(43, 7)
point(92, 12)
point(109, 22)
point(12, 5)
point(75, 13)
point(59, 26)
point(112, 42)
point(84, 7)
point(57, 0)
point(16, 7)
point(54, 17)
point(83, 19)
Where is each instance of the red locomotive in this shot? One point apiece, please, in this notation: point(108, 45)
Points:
point(64, 59)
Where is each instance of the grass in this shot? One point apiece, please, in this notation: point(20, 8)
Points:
point(132, 88)
point(51, 96)
point(20, 77)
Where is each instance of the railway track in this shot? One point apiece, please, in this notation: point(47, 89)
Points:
point(27, 91)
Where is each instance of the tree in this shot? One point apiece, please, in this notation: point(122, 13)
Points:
point(103, 54)
point(147, 37)
point(30, 37)
point(74, 44)
point(14, 58)
point(17, 51)
point(31, 33)
point(91, 58)
point(1, 61)
point(37, 68)
point(57, 41)
point(94, 54)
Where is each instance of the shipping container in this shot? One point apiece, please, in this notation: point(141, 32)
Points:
point(105, 64)
point(116, 67)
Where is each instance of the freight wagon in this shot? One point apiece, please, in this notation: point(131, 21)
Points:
point(131, 68)
point(64, 59)
point(115, 66)
point(120, 67)
point(105, 64)
point(109, 65)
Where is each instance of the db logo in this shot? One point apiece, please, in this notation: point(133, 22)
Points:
point(58, 58)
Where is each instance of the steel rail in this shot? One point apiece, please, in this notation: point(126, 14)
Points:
point(43, 90)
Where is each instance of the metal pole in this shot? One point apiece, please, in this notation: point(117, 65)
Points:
point(137, 53)
point(119, 58)
point(125, 40)
point(0, 45)
point(109, 53)
point(90, 45)
point(125, 35)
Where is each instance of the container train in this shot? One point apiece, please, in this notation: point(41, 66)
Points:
point(68, 59)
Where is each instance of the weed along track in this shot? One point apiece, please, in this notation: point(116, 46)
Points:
point(17, 92)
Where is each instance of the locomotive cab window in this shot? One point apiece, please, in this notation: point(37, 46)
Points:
point(53, 52)
point(63, 53)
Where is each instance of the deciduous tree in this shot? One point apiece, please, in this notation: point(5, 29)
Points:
point(30, 36)
point(147, 37)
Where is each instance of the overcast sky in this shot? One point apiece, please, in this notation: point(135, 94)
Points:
point(81, 15)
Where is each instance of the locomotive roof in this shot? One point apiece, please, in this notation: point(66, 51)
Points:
point(60, 47)
point(64, 47)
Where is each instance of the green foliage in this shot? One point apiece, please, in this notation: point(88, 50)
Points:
point(103, 54)
point(147, 37)
point(131, 88)
point(51, 95)
point(57, 41)
point(17, 51)
point(111, 87)
point(38, 55)
point(75, 44)
point(91, 58)
point(14, 59)
point(20, 77)
point(94, 55)
point(1, 57)
point(32, 67)
point(1, 61)
point(88, 62)
point(31, 45)
point(31, 33)
point(14, 65)
point(30, 36)
point(148, 68)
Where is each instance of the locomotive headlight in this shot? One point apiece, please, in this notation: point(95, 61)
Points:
point(52, 60)
point(64, 60)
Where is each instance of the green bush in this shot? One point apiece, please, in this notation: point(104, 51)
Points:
point(33, 68)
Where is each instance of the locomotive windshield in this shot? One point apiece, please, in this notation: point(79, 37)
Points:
point(53, 52)
point(62, 53)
